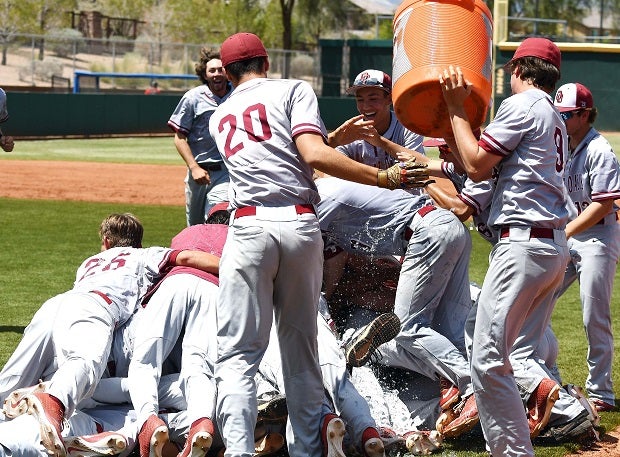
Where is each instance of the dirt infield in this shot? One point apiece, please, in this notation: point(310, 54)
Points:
point(95, 182)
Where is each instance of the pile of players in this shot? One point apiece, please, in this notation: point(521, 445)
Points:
point(333, 311)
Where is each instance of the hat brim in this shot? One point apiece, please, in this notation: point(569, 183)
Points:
point(353, 89)
point(431, 142)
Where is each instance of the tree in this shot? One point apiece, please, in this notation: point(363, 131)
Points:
point(572, 11)
point(287, 23)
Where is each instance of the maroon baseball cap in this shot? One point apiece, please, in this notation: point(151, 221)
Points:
point(241, 46)
point(542, 48)
point(433, 142)
point(223, 206)
point(573, 96)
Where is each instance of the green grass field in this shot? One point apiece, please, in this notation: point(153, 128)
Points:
point(43, 242)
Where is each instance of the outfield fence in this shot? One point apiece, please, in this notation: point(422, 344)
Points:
point(40, 60)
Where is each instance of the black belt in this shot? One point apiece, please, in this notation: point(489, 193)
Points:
point(211, 166)
point(535, 232)
point(421, 212)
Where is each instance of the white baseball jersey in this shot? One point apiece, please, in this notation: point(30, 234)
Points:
point(366, 228)
point(255, 131)
point(124, 275)
point(593, 175)
point(271, 172)
point(191, 118)
point(592, 172)
point(529, 185)
point(364, 152)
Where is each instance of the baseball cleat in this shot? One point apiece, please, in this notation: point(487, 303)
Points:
point(49, 412)
point(363, 345)
point(423, 442)
point(390, 438)
point(539, 405)
point(268, 444)
point(372, 445)
point(449, 393)
point(153, 437)
point(199, 438)
point(104, 443)
point(332, 434)
point(460, 419)
point(14, 405)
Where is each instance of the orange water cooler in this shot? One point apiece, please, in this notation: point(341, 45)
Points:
point(428, 37)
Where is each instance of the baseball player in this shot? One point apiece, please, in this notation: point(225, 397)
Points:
point(107, 290)
point(432, 296)
point(346, 400)
point(592, 178)
point(206, 182)
point(182, 304)
point(525, 146)
point(375, 135)
point(6, 142)
point(532, 359)
point(270, 134)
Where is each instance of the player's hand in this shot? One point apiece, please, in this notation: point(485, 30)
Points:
point(454, 86)
point(200, 176)
point(7, 143)
point(405, 156)
point(351, 130)
point(404, 175)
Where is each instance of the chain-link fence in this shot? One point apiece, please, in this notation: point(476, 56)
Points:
point(49, 61)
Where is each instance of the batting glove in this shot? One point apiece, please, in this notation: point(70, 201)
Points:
point(404, 175)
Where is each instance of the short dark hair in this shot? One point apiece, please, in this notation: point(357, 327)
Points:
point(219, 217)
point(243, 67)
point(206, 54)
point(122, 230)
point(543, 74)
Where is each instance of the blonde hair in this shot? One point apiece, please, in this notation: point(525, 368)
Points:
point(122, 230)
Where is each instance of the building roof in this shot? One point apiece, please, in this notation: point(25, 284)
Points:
point(386, 7)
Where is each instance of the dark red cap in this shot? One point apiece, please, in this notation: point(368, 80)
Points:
point(241, 46)
point(223, 206)
point(542, 48)
point(432, 142)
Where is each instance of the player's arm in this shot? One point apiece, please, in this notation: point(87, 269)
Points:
point(326, 159)
point(351, 130)
point(477, 162)
point(449, 201)
point(197, 259)
point(589, 217)
point(198, 174)
point(333, 269)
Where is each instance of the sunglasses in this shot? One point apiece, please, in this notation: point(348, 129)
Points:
point(566, 115)
point(370, 82)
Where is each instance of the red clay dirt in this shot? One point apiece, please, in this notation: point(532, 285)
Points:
point(95, 182)
point(138, 184)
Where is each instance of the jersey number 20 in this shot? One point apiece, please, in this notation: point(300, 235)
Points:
point(255, 126)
